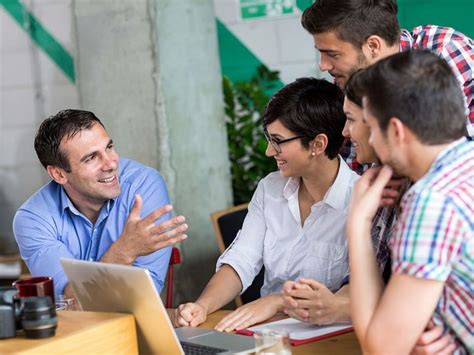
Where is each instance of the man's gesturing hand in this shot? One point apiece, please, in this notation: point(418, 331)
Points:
point(142, 237)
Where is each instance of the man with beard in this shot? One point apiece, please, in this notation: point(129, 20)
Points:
point(96, 207)
point(434, 236)
point(352, 34)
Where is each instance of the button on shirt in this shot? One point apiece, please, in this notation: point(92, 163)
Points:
point(48, 226)
point(272, 235)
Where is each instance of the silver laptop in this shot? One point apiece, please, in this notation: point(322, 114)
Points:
point(102, 287)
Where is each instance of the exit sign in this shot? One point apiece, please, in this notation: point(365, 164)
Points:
point(251, 9)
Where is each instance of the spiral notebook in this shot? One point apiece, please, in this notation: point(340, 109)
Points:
point(301, 332)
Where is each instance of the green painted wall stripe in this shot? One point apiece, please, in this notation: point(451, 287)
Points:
point(451, 13)
point(238, 63)
point(43, 39)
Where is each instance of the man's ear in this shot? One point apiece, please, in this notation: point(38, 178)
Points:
point(397, 130)
point(319, 144)
point(373, 48)
point(57, 174)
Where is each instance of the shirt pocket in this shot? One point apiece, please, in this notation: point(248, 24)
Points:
point(327, 263)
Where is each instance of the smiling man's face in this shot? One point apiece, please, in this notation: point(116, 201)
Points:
point(93, 176)
point(339, 58)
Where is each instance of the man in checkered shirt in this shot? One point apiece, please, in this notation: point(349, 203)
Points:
point(433, 241)
point(352, 34)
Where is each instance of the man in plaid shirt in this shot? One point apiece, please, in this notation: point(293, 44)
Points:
point(433, 241)
point(352, 34)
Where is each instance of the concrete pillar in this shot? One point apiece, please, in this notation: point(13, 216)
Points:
point(150, 70)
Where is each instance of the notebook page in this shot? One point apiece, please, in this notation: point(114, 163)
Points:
point(298, 330)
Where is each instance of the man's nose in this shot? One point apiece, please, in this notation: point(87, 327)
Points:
point(109, 162)
point(324, 63)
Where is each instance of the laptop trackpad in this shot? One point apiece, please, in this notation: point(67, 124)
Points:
point(214, 338)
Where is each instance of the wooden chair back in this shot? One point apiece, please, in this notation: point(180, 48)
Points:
point(226, 224)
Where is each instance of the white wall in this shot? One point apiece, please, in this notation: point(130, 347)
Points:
point(31, 88)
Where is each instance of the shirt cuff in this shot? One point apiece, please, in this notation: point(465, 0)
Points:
point(245, 279)
point(59, 283)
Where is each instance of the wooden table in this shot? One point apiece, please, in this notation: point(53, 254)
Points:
point(345, 344)
point(81, 333)
point(102, 333)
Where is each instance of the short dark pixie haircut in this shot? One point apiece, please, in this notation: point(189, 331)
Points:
point(354, 20)
point(350, 90)
point(66, 123)
point(309, 107)
point(420, 89)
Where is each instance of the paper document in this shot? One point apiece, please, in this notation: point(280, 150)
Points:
point(302, 332)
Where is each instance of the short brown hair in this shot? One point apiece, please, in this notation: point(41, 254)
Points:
point(66, 123)
point(354, 20)
point(421, 90)
point(309, 107)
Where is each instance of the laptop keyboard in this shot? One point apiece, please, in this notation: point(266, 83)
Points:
point(195, 349)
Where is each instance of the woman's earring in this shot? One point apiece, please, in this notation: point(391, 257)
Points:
point(313, 154)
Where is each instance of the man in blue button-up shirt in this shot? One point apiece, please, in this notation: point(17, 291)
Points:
point(97, 207)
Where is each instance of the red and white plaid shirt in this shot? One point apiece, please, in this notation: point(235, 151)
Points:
point(454, 47)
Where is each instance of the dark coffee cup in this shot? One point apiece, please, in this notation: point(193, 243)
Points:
point(35, 286)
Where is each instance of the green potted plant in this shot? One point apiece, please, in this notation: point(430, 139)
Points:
point(244, 106)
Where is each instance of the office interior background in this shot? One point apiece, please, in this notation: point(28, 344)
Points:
point(152, 71)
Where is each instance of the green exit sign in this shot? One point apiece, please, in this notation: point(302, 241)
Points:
point(251, 9)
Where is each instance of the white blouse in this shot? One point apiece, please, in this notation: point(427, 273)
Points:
point(272, 234)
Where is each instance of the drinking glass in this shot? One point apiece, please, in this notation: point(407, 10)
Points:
point(64, 303)
point(272, 342)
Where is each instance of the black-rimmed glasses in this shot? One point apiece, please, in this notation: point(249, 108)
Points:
point(276, 142)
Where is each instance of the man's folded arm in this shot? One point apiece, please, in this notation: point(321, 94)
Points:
point(40, 247)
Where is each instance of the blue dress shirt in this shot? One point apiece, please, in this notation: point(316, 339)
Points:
point(48, 226)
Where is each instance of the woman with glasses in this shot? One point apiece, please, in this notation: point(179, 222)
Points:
point(295, 225)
